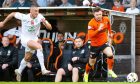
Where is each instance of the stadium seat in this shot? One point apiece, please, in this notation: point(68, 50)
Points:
point(67, 52)
point(58, 60)
point(47, 45)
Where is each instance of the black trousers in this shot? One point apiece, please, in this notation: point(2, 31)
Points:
point(29, 74)
point(6, 74)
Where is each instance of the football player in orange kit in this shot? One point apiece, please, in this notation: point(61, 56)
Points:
point(98, 29)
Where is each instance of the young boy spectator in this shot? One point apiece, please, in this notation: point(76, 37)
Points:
point(132, 9)
point(117, 6)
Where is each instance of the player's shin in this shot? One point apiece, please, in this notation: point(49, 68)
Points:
point(110, 62)
point(22, 66)
point(41, 59)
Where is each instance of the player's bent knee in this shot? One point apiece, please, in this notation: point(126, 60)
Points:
point(110, 55)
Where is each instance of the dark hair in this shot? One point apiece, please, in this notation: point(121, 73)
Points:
point(116, 0)
point(80, 37)
point(96, 9)
point(60, 33)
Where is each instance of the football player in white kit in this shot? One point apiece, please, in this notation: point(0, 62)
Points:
point(30, 28)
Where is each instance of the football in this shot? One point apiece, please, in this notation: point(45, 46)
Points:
point(132, 77)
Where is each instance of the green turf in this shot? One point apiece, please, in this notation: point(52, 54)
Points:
point(67, 83)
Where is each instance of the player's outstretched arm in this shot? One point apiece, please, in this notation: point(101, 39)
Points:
point(47, 24)
point(9, 17)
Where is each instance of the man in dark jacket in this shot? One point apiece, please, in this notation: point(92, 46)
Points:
point(8, 60)
point(77, 61)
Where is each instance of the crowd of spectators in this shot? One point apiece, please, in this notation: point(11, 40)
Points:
point(118, 5)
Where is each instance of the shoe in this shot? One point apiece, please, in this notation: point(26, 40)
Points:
point(112, 74)
point(85, 78)
point(45, 72)
point(18, 75)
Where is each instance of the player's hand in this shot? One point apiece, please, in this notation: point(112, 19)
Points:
point(74, 59)
point(4, 66)
point(1, 24)
point(43, 20)
point(29, 65)
point(70, 67)
point(101, 27)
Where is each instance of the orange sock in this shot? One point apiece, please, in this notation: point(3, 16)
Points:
point(88, 67)
point(110, 63)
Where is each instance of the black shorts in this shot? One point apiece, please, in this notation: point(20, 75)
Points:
point(67, 71)
point(97, 50)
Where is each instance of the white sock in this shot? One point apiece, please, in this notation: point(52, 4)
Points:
point(40, 57)
point(22, 66)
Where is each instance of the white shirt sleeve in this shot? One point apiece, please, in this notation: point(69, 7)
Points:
point(41, 17)
point(19, 16)
point(10, 31)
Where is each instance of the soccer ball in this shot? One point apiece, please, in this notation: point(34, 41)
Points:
point(132, 77)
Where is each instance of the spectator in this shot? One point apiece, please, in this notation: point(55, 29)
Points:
point(77, 62)
point(65, 3)
point(57, 2)
point(86, 3)
point(34, 3)
point(60, 38)
point(132, 9)
point(7, 3)
point(138, 4)
point(42, 3)
point(8, 60)
point(117, 6)
point(126, 3)
point(95, 2)
point(71, 2)
point(1, 2)
point(78, 3)
point(102, 4)
point(109, 3)
point(21, 3)
point(91, 2)
point(45, 3)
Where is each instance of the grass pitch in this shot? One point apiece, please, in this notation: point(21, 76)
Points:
point(68, 83)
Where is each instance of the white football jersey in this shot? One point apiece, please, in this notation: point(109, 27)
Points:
point(30, 27)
